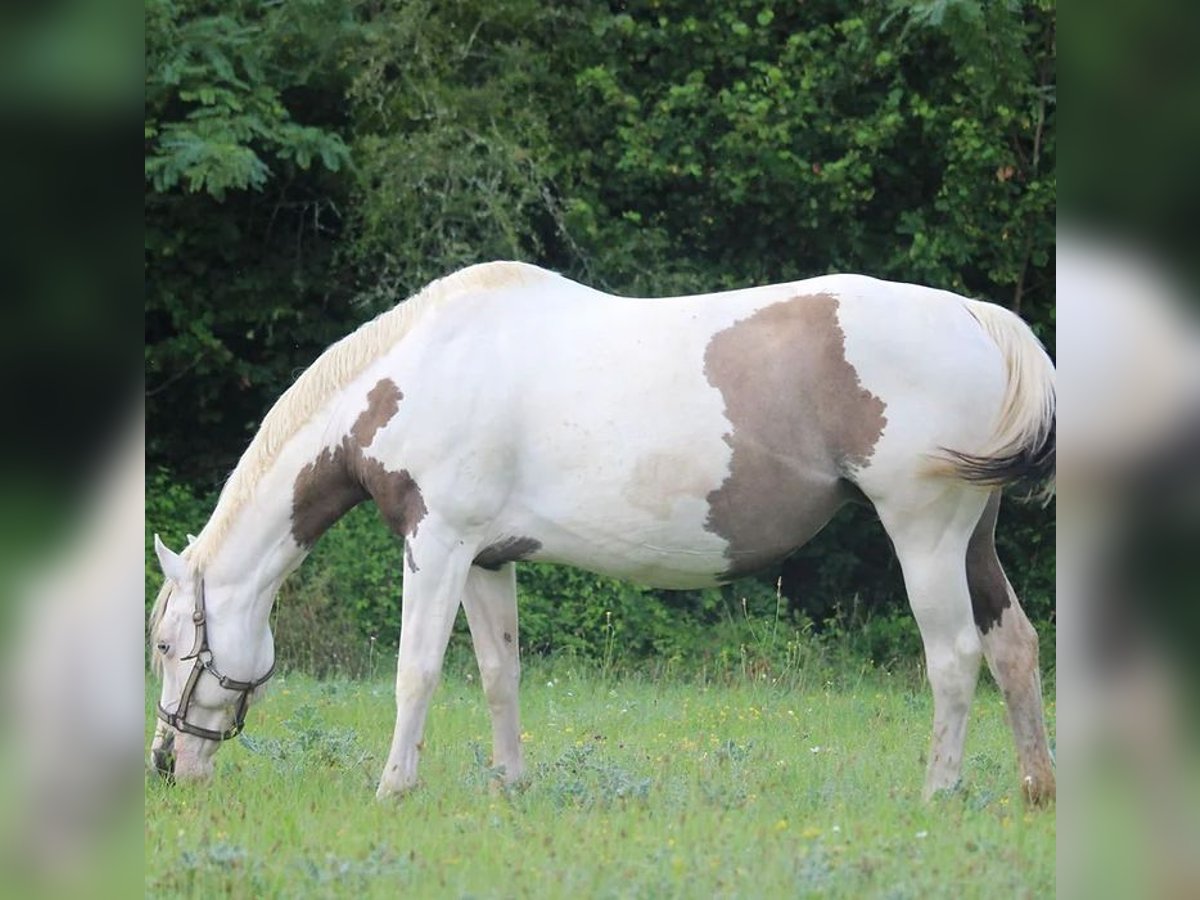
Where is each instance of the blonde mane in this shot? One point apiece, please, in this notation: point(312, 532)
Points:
point(332, 371)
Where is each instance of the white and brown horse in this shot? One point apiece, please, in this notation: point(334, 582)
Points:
point(506, 413)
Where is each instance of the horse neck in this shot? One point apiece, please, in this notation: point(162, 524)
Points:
point(271, 518)
point(252, 545)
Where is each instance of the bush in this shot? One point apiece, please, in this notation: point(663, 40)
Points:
point(340, 612)
point(173, 511)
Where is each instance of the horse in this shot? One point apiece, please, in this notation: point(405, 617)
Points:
point(506, 413)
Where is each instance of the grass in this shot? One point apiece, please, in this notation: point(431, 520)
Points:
point(638, 788)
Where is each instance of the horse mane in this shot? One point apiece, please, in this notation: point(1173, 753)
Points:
point(330, 373)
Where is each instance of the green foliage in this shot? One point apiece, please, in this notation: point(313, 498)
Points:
point(309, 741)
point(214, 92)
point(362, 562)
point(912, 143)
point(173, 511)
point(453, 160)
point(246, 167)
point(339, 614)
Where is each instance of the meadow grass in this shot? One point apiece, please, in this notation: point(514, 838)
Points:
point(637, 788)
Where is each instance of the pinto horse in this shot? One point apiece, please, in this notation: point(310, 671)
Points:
point(506, 413)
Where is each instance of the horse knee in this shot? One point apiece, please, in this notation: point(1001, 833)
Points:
point(1025, 645)
point(500, 680)
point(1013, 651)
point(952, 668)
point(416, 682)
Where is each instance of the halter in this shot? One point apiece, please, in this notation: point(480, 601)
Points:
point(204, 662)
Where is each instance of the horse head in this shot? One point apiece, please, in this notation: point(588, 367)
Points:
point(213, 664)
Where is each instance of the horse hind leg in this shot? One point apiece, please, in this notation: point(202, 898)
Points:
point(1011, 647)
point(490, 602)
point(930, 525)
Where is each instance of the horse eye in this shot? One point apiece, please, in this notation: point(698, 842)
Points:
point(163, 647)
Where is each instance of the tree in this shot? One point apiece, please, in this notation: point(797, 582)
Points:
point(245, 169)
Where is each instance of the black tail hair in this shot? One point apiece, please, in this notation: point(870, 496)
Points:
point(1030, 468)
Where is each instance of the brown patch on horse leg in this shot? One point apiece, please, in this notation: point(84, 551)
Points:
point(1011, 647)
point(985, 577)
point(801, 421)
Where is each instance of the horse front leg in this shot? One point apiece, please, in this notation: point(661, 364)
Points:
point(490, 602)
point(434, 575)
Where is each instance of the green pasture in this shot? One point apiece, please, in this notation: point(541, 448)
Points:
point(638, 787)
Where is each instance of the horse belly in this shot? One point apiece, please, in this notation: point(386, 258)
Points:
point(653, 513)
point(638, 514)
point(681, 555)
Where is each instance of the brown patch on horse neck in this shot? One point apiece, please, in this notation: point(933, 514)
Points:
point(802, 422)
point(985, 577)
point(383, 402)
point(343, 476)
point(506, 550)
point(322, 493)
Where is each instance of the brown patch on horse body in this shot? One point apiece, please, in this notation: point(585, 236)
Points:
point(343, 476)
point(510, 549)
point(802, 422)
point(985, 577)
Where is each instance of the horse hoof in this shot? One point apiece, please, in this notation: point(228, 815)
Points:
point(393, 792)
point(1038, 792)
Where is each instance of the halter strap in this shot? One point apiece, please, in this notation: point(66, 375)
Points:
point(204, 663)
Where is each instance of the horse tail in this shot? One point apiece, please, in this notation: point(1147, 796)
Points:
point(1021, 447)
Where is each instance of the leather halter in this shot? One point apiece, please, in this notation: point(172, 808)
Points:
point(204, 662)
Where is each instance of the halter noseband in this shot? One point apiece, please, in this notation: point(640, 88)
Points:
point(204, 662)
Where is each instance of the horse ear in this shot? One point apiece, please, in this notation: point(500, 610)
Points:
point(191, 539)
point(172, 564)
